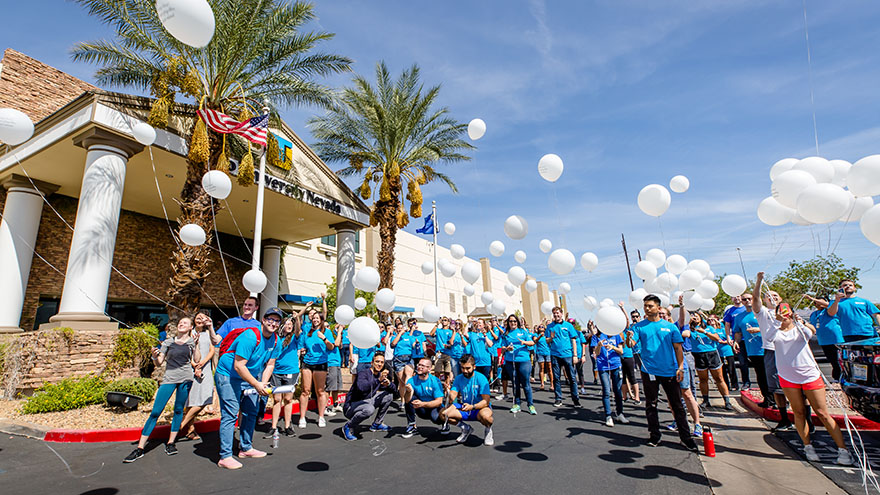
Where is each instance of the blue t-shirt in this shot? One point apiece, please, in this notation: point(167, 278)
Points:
point(470, 390)
point(381, 345)
point(520, 353)
point(561, 335)
point(334, 357)
point(658, 353)
point(724, 349)
point(731, 313)
point(752, 341)
point(700, 342)
point(627, 350)
point(316, 349)
point(478, 348)
point(404, 346)
point(855, 318)
point(345, 340)
point(287, 361)
point(456, 349)
point(541, 346)
point(607, 359)
point(581, 340)
point(365, 356)
point(828, 330)
point(257, 355)
point(426, 390)
point(637, 348)
point(235, 323)
point(420, 343)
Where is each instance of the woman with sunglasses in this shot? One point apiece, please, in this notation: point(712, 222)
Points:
point(542, 355)
point(517, 341)
point(314, 369)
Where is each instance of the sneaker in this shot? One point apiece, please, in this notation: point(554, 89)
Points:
point(410, 431)
point(557, 403)
point(329, 412)
point(654, 441)
point(289, 432)
point(690, 445)
point(764, 404)
point(785, 426)
point(337, 408)
point(322, 423)
point(135, 455)
point(271, 433)
point(302, 423)
point(466, 431)
point(609, 421)
point(515, 409)
point(844, 458)
point(229, 463)
point(728, 406)
point(379, 427)
point(672, 426)
point(170, 449)
point(746, 386)
point(638, 402)
point(705, 405)
point(261, 421)
point(576, 405)
point(254, 453)
point(622, 419)
point(444, 430)
point(698, 430)
point(490, 437)
point(499, 397)
point(532, 410)
point(347, 434)
point(811, 454)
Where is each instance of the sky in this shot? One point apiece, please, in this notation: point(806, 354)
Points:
point(628, 93)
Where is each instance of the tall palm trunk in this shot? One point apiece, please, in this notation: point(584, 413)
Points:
point(387, 215)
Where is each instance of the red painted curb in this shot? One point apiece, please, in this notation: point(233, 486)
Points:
point(161, 431)
point(749, 402)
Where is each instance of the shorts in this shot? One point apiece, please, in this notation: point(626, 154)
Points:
point(707, 360)
point(334, 379)
point(507, 371)
point(770, 369)
point(277, 380)
point(400, 362)
point(542, 358)
point(443, 364)
point(467, 415)
point(817, 384)
point(315, 368)
point(629, 369)
point(687, 379)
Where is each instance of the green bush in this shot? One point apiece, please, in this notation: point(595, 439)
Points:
point(70, 393)
point(144, 388)
point(132, 347)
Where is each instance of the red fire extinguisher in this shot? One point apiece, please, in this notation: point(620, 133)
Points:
point(708, 442)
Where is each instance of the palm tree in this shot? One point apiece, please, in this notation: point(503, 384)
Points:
point(258, 53)
point(390, 135)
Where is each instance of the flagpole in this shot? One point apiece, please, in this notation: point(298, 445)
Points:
point(258, 219)
point(434, 219)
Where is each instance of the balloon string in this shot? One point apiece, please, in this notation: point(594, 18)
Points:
point(662, 237)
point(810, 72)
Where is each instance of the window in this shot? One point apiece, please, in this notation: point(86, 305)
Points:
point(330, 240)
point(452, 302)
point(464, 304)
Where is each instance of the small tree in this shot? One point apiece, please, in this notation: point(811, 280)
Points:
point(369, 310)
point(818, 277)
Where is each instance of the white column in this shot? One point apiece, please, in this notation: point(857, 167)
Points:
point(18, 235)
point(345, 238)
point(272, 270)
point(94, 237)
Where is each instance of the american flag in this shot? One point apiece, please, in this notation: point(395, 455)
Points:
point(254, 130)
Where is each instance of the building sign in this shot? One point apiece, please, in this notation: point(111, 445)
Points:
point(285, 151)
point(294, 191)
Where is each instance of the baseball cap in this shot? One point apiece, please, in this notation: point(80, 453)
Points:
point(273, 311)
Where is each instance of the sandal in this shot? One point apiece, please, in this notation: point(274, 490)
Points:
point(192, 436)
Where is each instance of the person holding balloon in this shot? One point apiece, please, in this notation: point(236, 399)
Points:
point(747, 332)
point(372, 392)
point(706, 356)
point(828, 333)
point(314, 368)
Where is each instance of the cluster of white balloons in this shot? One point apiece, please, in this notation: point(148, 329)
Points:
point(655, 199)
point(693, 280)
point(363, 331)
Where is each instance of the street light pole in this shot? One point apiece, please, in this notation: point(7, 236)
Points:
point(743, 266)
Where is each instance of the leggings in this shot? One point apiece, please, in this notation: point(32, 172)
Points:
point(757, 362)
point(729, 371)
point(830, 352)
point(162, 397)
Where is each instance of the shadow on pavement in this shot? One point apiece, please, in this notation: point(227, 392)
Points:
point(654, 472)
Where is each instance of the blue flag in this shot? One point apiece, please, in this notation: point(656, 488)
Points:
point(428, 228)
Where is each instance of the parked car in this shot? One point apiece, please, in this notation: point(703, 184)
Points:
point(860, 380)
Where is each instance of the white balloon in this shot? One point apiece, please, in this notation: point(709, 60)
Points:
point(689, 279)
point(863, 178)
point(516, 275)
point(190, 21)
point(710, 275)
point(637, 297)
point(870, 224)
point(564, 288)
point(858, 208)
point(447, 268)
point(789, 185)
point(646, 270)
point(192, 234)
point(733, 285)
point(457, 251)
point(656, 256)
point(469, 290)
point(679, 184)
point(664, 298)
point(701, 266)
point(487, 298)
point(449, 228)
point(561, 262)
point(783, 165)
point(496, 248)
point(605, 303)
point(550, 167)
point(666, 281)
point(610, 320)
point(692, 301)
point(427, 267)
point(497, 307)
point(363, 332)
point(676, 264)
point(674, 297)
point(547, 308)
point(823, 203)
point(545, 245)
point(470, 272)
point(531, 285)
point(588, 305)
point(654, 200)
point(254, 281)
point(589, 261)
point(651, 286)
point(431, 313)
point(144, 133)
point(360, 303)
point(820, 168)
point(509, 289)
point(520, 256)
point(708, 304)
point(15, 126)
point(385, 300)
point(476, 128)
point(516, 227)
point(841, 170)
point(217, 184)
point(774, 214)
point(344, 314)
point(707, 289)
point(367, 279)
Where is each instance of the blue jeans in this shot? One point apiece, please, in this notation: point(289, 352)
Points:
point(231, 401)
point(522, 371)
point(611, 382)
point(556, 365)
point(162, 397)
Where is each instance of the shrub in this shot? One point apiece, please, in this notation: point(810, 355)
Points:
point(144, 388)
point(132, 347)
point(70, 393)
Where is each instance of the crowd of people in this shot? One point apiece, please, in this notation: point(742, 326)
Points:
point(451, 375)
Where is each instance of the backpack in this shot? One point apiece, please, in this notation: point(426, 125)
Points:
point(227, 341)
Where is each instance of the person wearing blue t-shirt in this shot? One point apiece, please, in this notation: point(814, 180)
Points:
point(402, 342)
point(471, 400)
point(479, 345)
point(608, 350)
point(314, 368)
point(581, 343)
point(419, 338)
point(828, 333)
point(542, 355)
point(703, 341)
point(286, 372)
point(628, 364)
point(857, 315)
point(247, 362)
point(747, 332)
point(422, 397)
point(517, 341)
point(562, 338)
point(662, 366)
point(725, 347)
point(730, 314)
point(449, 347)
point(345, 348)
point(333, 384)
